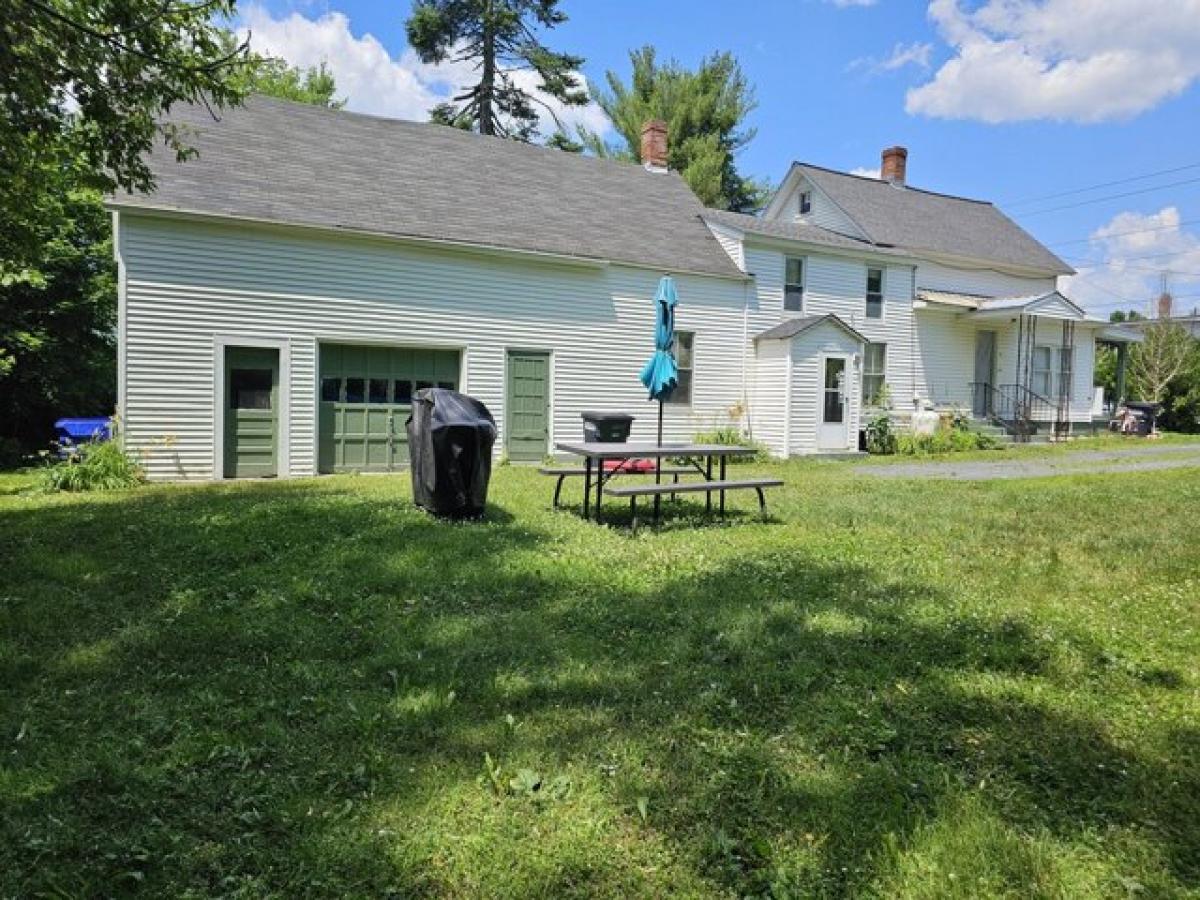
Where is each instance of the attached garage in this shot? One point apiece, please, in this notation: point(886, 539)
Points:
point(366, 397)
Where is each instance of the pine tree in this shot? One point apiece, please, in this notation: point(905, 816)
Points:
point(705, 111)
point(500, 38)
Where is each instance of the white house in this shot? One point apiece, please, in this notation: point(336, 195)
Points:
point(282, 295)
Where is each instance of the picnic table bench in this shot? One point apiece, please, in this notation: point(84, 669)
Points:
point(634, 491)
point(565, 472)
point(596, 453)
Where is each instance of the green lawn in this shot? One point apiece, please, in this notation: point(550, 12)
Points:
point(896, 688)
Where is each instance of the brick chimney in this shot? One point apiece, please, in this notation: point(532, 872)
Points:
point(893, 165)
point(1165, 305)
point(654, 144)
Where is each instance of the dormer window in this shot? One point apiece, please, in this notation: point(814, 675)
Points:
point(805, 202)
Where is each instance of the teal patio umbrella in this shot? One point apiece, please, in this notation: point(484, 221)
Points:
point(660, 375)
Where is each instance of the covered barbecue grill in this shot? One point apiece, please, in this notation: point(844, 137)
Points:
point(450, 438)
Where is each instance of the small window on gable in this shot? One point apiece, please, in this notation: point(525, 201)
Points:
point(805, 202)
point(793, 284)
point(874, 293)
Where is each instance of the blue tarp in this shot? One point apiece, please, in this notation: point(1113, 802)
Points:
point(79, 429)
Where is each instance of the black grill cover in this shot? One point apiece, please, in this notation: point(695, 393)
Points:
point(450, 438)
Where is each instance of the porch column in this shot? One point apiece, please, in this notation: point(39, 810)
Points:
point(1122, 362)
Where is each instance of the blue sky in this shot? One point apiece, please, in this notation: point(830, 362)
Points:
point(1007, 100)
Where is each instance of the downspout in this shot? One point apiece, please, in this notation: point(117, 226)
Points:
point(745, 356)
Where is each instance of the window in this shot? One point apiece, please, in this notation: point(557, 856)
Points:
point(1052, 371)
point(793, 284)
point(377, 390)
point(874, 293)
point(685, 342)
point(404, 391)
point(250, 388)
point(1043, 370)
point(448, 385)
point(874, 366)
point(356, 390)
point(331, 389)
point(805, 202)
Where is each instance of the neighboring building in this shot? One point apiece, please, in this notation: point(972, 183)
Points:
point(1189, 323)
point(284, 293)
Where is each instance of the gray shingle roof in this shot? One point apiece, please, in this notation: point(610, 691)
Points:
point(286, 162)
point(789, 328)
point(915, 219)
point(795, 231)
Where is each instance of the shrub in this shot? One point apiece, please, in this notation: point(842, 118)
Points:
point(881, 438)
point(731, 436)
point(955, 438)
point(95, 466)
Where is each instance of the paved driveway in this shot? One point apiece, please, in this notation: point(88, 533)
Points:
point(1132, 459)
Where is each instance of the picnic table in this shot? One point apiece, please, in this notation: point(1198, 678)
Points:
point(700, 457)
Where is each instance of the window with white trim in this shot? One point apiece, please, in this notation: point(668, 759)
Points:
point(874, 293)
point(805, 202)
point(793, 284)
point(1052, 371)
point(685, 362)
point(1042, 371)
point(874, 372)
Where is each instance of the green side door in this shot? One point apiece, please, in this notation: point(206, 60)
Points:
point(366, 398)
point(527, 401)
point(251, 414)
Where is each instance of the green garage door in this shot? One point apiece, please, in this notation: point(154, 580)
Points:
point(366, 396)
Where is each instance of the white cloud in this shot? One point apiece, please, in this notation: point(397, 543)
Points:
point(1066, 60)
point(915, 54)
point(1126, 258)
point(371, 78)
point(865, 172)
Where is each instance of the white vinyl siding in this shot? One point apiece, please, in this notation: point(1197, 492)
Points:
point(730, 242)
point(822, 212)
point(769, 395)
point(806, 396)
point(189, 284)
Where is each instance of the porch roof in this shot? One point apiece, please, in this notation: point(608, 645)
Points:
point(1051, 305)
point(789, 328)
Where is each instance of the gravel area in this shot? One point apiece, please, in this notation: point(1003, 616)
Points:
point(1081, 462)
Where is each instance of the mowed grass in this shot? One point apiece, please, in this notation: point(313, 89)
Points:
point(895, 688)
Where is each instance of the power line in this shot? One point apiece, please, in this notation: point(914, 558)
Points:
point(1105, 199)
point(1122, 265)
point(1096, 187)
point(1114, 234)
point(1083, 261)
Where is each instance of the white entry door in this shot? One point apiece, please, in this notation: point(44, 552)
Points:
point(834, 415)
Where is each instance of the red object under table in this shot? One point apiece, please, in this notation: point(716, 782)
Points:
point(629, 465)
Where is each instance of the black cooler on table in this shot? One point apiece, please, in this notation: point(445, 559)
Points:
point(606, 428)
point(450, 438)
